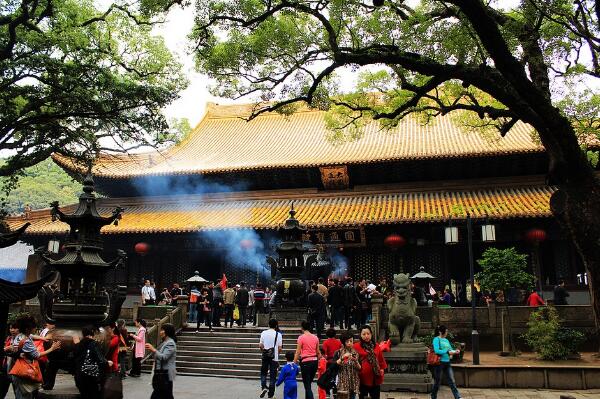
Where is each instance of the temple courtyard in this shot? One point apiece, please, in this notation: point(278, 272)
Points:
point(228, 388)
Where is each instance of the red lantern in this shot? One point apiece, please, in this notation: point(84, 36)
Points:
point(142, 248)
point(536, 236)
point(394, 241)
point(247, 244)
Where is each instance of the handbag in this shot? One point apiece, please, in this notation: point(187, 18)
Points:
point(269, 354)
point(113, 386)
point(236, 313)
point(25, 369)
point(433, 359)
point(327, 380)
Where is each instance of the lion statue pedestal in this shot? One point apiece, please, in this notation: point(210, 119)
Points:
point(407, 361)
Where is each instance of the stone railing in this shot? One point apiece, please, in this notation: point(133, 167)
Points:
point(174, 316)
point(489, 318)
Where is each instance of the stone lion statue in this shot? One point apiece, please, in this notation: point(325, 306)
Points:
point(403, 322)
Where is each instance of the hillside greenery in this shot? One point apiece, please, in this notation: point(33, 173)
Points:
point(39, 185)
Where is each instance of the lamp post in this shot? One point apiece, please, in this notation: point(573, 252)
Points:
point(474, 332)
point(488, 234)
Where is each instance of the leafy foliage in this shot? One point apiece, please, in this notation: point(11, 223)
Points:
point(546, 336)
point(76, 80)
point(39, 185)
point(503, 269)
point(494, 65)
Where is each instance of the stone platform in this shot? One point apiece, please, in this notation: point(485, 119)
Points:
point(407, 369)
point(290, 317)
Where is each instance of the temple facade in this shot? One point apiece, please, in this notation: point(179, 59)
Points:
point(215, 201)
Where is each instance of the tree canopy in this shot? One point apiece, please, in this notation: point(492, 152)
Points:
point(426, 57)
point(502, 269)
point(39, 185)
point(75, 80)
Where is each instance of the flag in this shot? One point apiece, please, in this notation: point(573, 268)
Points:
point(224, 282)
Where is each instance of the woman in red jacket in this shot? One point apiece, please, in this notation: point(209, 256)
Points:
point(372, 364)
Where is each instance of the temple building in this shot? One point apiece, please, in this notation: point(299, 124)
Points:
point(391, 201)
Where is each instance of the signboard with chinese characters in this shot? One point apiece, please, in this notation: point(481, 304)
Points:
point(341, 237)
point(335, 177)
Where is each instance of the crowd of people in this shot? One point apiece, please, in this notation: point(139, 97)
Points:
point(100, 358)
point(343, 366)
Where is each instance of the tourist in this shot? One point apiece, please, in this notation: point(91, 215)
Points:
point(362, 309)
point(308, 351)
point(10, 346)
point(112, 353)
point(446, 297)
point(165, 357)
point(242, 299)
point(347, 359)
point(331, 345)
point(382, 287)
point(259, 302)
point(49, 367)
point(25, 388)
point(500, 297)
point(270, 344)
point(350, 302)
point(194, 295)
point(560, 294)
point(372, 364)
point(288, 375)
point(335, 299)
point(205, 307)
point(444, 350)
point(535, 299)
point(90, 364)
point(251, 314)
point(123, 347)
point(165, 297)
point(229, 303)
point(316, 310)
point(176, 292)
point(148, 294)
point(138, 352)
point(217, 305)
point(267, 302)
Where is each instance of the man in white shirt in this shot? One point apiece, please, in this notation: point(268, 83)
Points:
point(270, 338)
point(148, 294)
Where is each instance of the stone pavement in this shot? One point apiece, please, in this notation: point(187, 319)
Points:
point(228, 388)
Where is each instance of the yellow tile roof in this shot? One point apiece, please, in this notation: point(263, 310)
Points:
point(223, 141)
point(268, 210)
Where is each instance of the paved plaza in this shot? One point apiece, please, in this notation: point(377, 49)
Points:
point(229, 388)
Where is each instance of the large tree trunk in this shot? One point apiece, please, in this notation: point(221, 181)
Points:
point(576, 204)
point(577, 208)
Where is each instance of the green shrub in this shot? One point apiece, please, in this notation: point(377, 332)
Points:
point(546, 336)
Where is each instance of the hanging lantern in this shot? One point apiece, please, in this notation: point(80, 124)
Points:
point(247, 243)
point(451, 235)
point(488, 233)
point(142, 248)
point(394, 241)
point(536, 236)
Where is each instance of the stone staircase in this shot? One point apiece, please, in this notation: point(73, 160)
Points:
point(226, 352)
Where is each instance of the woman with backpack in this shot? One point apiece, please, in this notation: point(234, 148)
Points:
point(90, 364)
point(372, 364)
point(26, 350)
point(443, 348)
point(140, 344)
point(346, 358)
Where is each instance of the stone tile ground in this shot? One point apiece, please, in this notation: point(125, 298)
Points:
point(226, 388)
